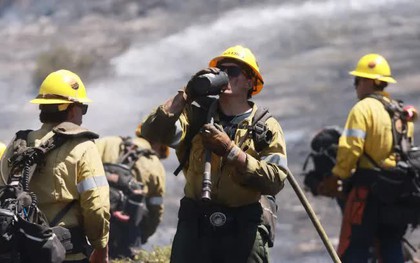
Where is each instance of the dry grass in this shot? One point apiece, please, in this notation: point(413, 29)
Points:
point(158, 255)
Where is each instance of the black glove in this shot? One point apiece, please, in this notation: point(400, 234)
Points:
point(200, 87)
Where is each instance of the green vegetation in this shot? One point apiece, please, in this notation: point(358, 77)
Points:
point(158, 255)
point(62, 58)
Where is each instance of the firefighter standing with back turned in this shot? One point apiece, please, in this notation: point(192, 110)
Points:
point(227, 228)
point(145, 168)
point(368, 132)
point(72, 173)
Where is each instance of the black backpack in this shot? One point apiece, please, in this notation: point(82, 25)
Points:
point(324, 146)
point(407, 154)
point(126, 234)
point(121, 192)
point(25, 235)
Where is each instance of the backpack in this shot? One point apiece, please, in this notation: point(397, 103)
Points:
point(261, 136)
point(398, 188)
point(122, 192)
point(24, 230)
point(324, 146)
point(127, 206)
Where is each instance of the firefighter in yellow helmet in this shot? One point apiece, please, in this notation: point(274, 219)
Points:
point(365, 149)
point(135, 174)
point(72, 176)
point(228, 163)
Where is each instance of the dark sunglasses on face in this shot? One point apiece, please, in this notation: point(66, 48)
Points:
point(232, 71)
point(84, 108)
point(356, 81)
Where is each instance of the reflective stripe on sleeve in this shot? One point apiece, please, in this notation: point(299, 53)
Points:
point(155, 200)
point(354, 133)
point(276, 159)
point(177, 136)
point(91, 183)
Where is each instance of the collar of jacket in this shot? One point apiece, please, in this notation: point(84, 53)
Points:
point(247, 121)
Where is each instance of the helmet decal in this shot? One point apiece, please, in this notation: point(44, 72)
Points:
point(62, 86)
point(372, 64)
point(72, 82)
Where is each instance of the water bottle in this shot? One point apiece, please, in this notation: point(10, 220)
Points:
point(208, 84)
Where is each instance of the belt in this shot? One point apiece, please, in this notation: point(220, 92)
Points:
point(216, 216)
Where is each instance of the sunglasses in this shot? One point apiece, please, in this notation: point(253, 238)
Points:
point(232, 71)
point(84, 107)
point(356, 81)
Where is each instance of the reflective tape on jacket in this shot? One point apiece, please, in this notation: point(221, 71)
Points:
point(155, 200)
point(38, 239)
point(354, 133)
point(276, 159)
point(91, 183)
point(178, 135)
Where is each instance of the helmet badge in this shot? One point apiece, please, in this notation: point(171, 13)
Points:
point(372, 64)
point(72, 82)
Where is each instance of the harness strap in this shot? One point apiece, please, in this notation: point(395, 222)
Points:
point(257, 126)
point(130, 153)
point(26, 159)
point(395, 110)
point(62, 213)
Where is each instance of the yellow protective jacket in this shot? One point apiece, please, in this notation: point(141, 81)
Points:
point(73, 171)
point(368, 130)
point(148, 170)
point(264, 172)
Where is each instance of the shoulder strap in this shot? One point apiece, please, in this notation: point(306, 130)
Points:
point(399, 138)
point(62, 213)
point(258, 130)
point(131, 152)
point(26, 159)
point(395, 111)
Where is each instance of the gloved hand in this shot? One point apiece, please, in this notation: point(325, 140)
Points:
point(216, 140)
point(192, 91)
point(331, 186)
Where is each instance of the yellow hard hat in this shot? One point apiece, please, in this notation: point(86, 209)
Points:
point(61, 87)
point(244, 55)
point(2, 149)
point(373, 66)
